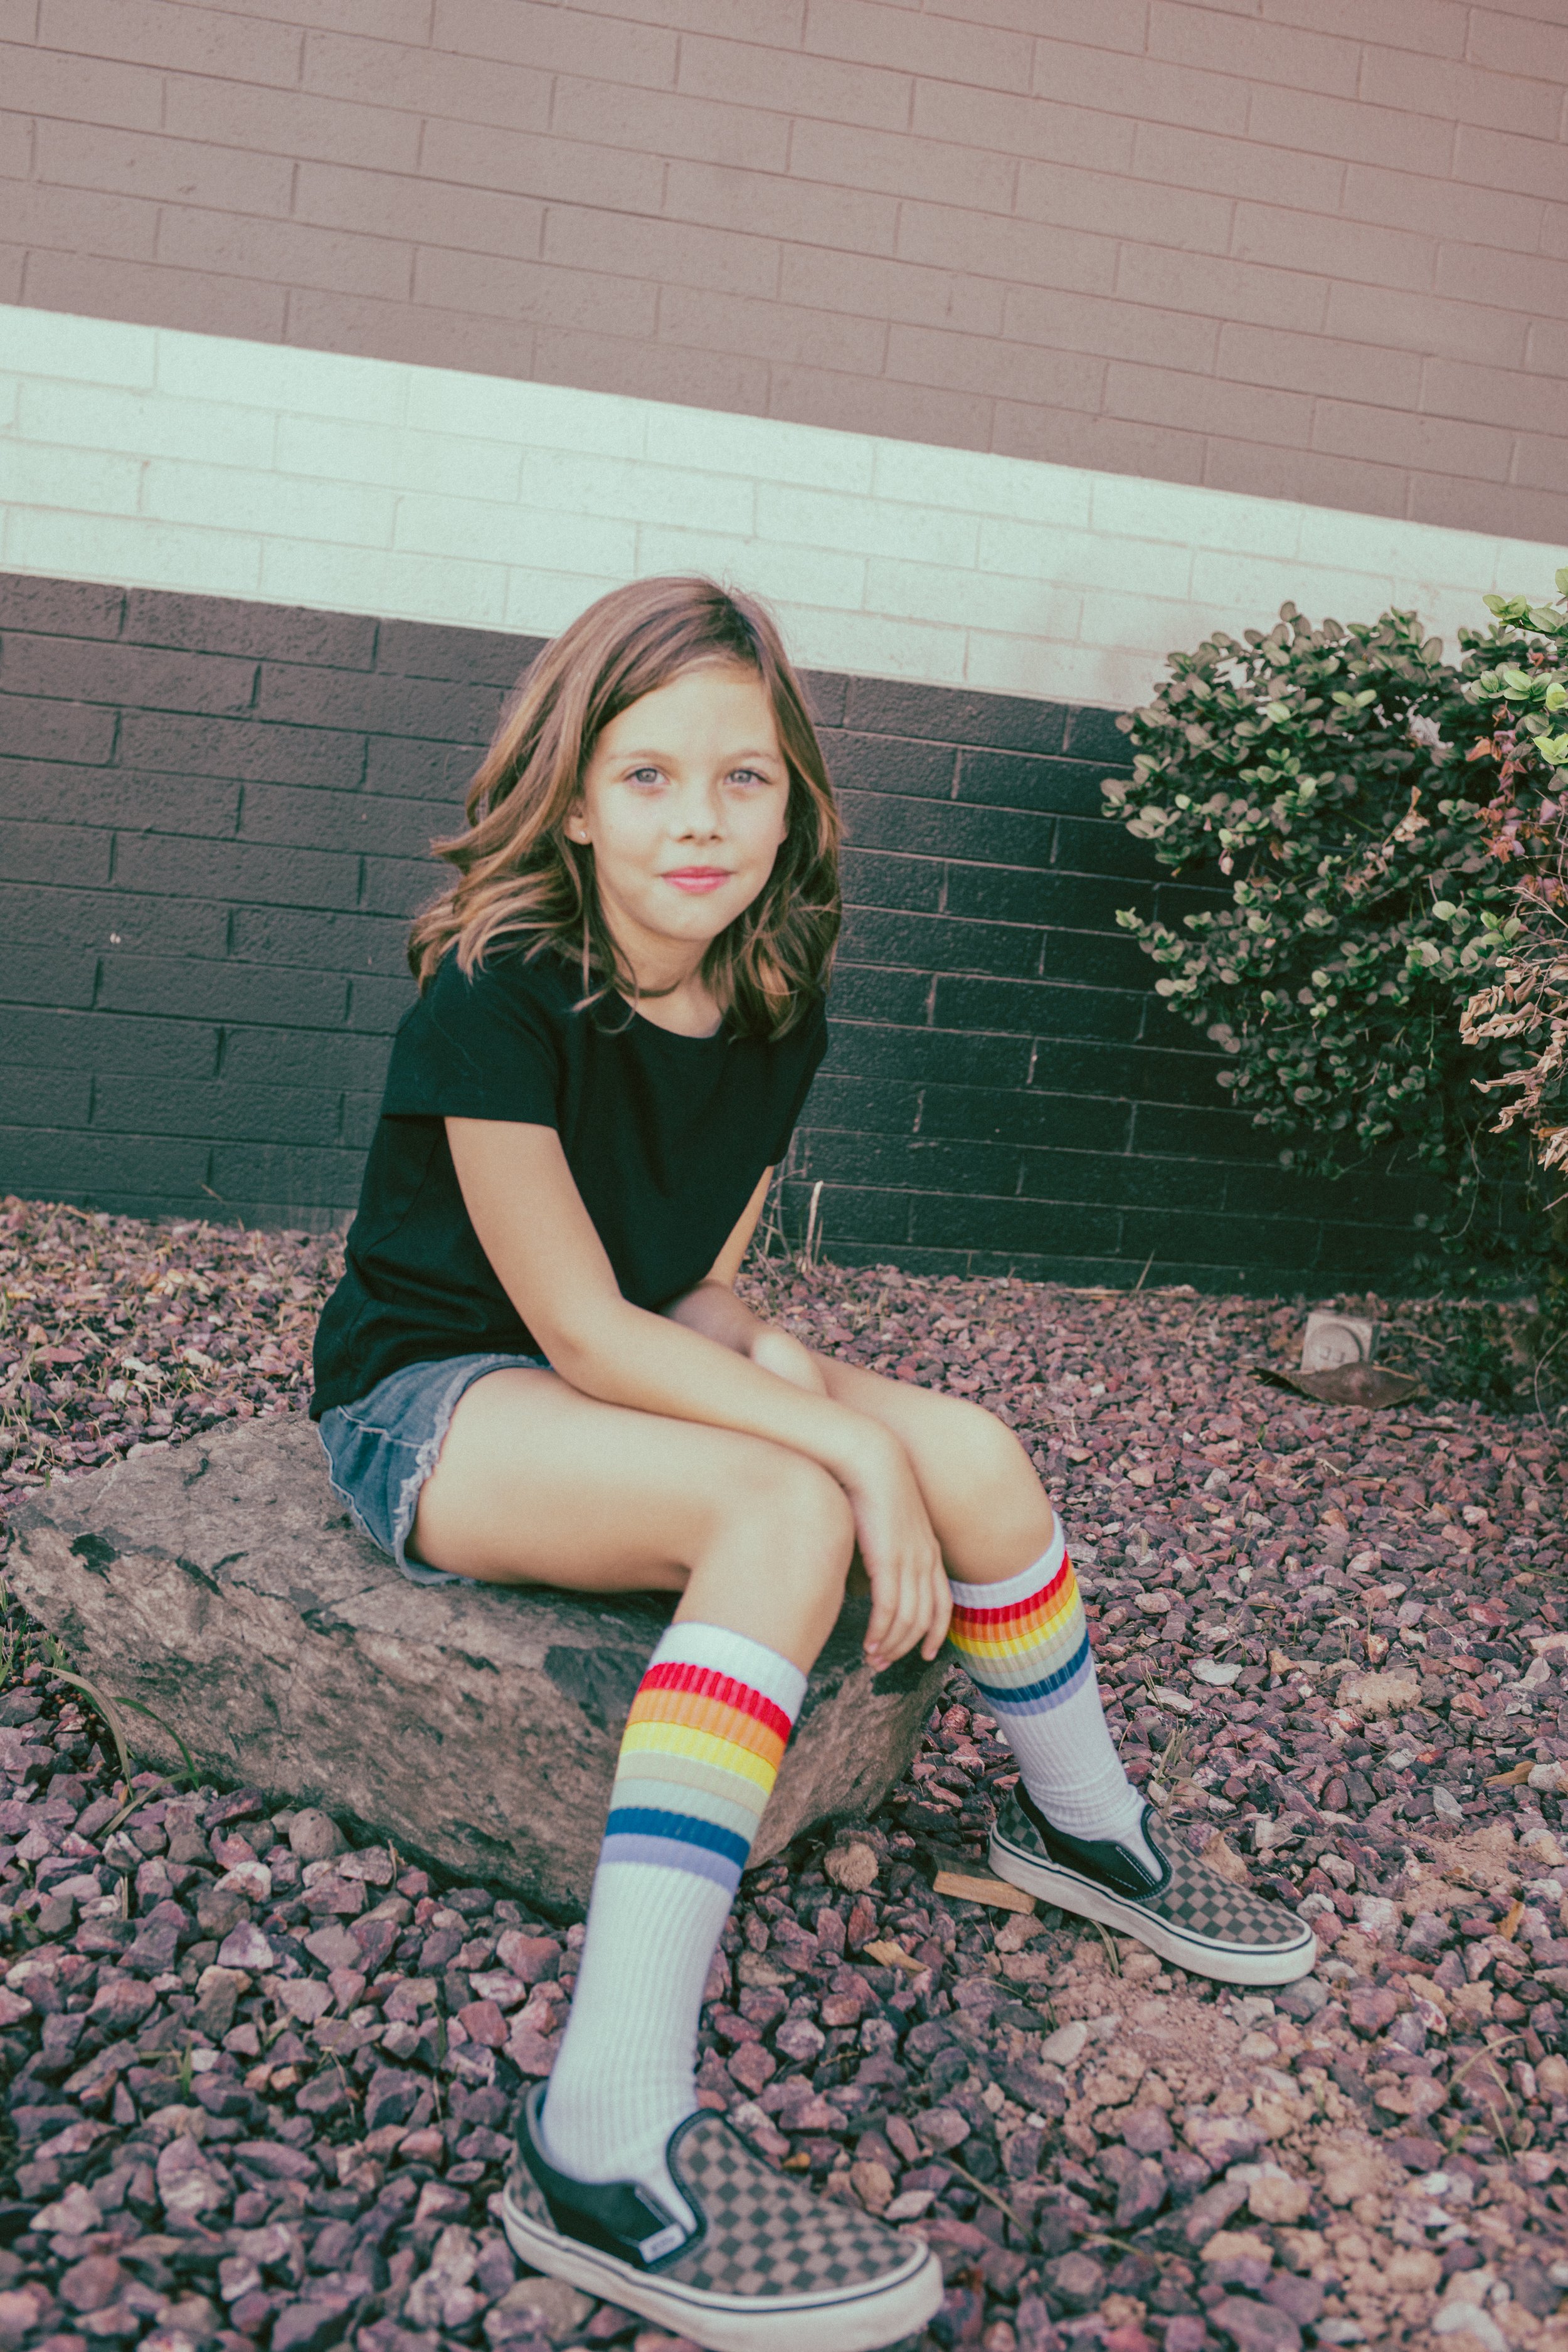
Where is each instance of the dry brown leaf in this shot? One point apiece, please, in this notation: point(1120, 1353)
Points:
point(996, 1892)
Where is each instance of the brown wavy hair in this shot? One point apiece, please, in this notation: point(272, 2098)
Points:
point(520, 879)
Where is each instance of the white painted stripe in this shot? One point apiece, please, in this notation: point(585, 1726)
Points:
point(154, 459)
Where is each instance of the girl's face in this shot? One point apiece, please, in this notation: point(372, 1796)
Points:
point(685, 800)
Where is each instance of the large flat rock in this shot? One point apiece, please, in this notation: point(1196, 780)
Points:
point(221, 1583)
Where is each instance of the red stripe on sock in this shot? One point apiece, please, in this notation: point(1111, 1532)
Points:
point(1015, 1609)
point(672, 1674)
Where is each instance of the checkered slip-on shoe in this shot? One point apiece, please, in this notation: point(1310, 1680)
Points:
point(769, 2267)
point(1189, 1913)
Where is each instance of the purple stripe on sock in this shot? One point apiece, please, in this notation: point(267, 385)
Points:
point(673, 1854)
point(1039, 1698)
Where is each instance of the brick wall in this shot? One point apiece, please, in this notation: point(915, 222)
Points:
point(213, 826)
point(1303, 248)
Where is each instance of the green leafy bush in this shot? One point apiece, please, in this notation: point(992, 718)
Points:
point(1525, 1006)
point(1325, 774)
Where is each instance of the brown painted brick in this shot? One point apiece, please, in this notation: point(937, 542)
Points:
point(875, 289)
point(1173, 157)
point(414, 332)
point(771, 331)
point(1113, 329)
point(189, 39)
point(1007, 371)
point(665, 252)
point(945, 237)
point(1488, 507)
point(1540, 460)
point(900, 163)
point(15, 146)
point(1100, 24)
point(565, 40)
point(1148, 90)
point(496, 287)
point(82, 222)
point(1424, 323)
point(286, 250)
point(382, 20)
point(1112, 204)
point(1528, 281)
point(845, 219)
point(824, 89)
point(180, 171)
point(420, 80)
point(1442, 208)
point(80, 89)
point(1346, 371)
point(58, 665)
point(426, 212)
point(1261, 472)
point(1218, 287)
point(472, 155)
point(651, 372)
point(1378, 256)
point(872, 34)
point(1348, 127)
point(12, 271)
point(1451, 93)
point(1433, 444)
point(1433, 27)
point(1202, 403)
point(144, 291)
point(234, 624)
point(1546, 347)
point(1059, 436)
point(661, 122)
point(1228, 44)
point(1508, 45)
point(291, 122)
point(1497, 159)
point(902, 412)
point(1092, 134)
point(65, 608)
point(1492, 395)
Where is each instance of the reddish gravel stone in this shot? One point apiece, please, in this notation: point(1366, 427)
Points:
point(1352, 1616)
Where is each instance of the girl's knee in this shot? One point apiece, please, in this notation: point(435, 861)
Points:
point(984, 1452)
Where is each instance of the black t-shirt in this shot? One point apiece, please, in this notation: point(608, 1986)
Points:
point(665, 1135)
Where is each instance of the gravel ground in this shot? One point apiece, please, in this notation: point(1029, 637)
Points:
point(259, 2081)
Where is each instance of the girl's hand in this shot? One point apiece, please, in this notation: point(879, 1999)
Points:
point(910, 1599)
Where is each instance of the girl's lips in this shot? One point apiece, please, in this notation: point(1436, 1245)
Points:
point(698, 877)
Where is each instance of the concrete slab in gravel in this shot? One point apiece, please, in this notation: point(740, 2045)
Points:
point(221, 1583)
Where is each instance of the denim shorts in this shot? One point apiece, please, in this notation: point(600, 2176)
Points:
point(381, 1448)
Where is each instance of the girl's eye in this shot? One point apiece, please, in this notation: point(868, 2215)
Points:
point(644, 776)
point(746, 776)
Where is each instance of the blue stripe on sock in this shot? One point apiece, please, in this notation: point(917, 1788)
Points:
point(1021, 1694)
point(683, 1829)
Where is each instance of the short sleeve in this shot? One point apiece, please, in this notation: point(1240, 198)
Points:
point(813, 1046)
point(477, 1047)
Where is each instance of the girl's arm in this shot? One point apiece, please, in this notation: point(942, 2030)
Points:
point(528, 1213)
point(712, 1309)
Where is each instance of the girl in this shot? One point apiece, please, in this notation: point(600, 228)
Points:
point(535, 1371)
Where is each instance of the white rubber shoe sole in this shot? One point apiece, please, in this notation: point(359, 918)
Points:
point(1227, 1962)
point(867, 2320)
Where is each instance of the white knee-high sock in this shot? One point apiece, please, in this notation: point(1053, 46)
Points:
point(702, 1745)
point(1026, 1645)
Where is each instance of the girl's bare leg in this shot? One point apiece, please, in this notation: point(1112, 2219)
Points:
point(1018, 1623)
point(537, 1483)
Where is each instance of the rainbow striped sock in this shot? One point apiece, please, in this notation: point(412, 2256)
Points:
point(702, 1745)
point(1026, 1645)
